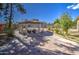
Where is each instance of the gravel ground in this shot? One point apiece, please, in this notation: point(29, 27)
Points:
point(43, 43)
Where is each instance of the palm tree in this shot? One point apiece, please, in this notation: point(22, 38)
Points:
point(8, 9)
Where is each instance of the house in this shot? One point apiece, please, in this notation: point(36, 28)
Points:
point(32, 26)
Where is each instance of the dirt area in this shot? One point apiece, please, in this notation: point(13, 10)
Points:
point(44, 43)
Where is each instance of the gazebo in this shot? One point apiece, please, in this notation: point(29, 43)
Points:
point(32, 26)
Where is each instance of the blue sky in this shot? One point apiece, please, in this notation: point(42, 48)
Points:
point(47, 12)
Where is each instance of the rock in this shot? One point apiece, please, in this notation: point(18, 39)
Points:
point(13, 47)
point(12, 51)
point(41, 44)
point(9, 45)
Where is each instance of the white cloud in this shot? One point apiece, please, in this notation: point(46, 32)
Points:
point(70, 6)
point(74, 6)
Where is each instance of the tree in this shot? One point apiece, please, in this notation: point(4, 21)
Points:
point(66, 22)
point(57, 25)
point(56, 21)
point(49, 26)
point(7, 10)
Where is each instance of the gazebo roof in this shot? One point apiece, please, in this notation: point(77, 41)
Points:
point(32, 21)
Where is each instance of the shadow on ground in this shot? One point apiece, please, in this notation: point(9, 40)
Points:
point(40, 37)
point(69, 48)
point(32, 49)
point(39, 51)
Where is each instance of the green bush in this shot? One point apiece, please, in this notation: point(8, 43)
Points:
point(56, 31)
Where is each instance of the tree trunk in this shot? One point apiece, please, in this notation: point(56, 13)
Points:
point(10, 33)
point(65, 31)
point(10, 19)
